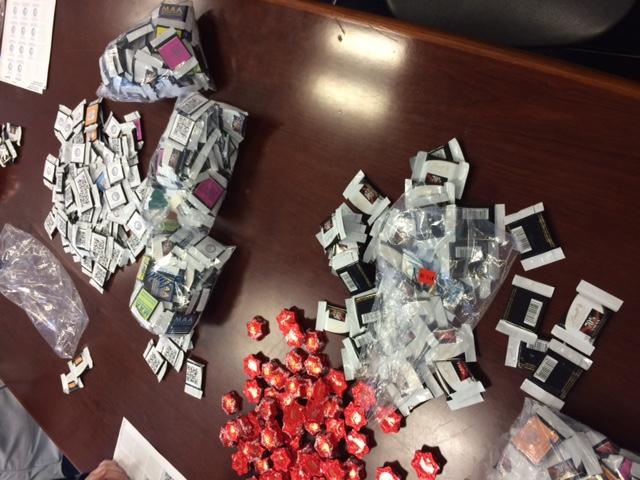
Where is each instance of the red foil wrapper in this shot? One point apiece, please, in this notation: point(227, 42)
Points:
point(335, 379)
point(267, 409)
point(364, 395)
point(225, 440)
point(311, 464)
point(295, 360)
point(251, 450)
point(252, 391)
point(357, 444)
point(273, 475)
point(271, 437)
point(332, 408)
point(285, 319)
point(295, 336)
point(248, 427)
point(356, 469)
point(425, 465)
point(293, 419)
point(314, 412)
point(257, 328)
point(295, 442)
point(308, 384)
point(355, 416)
point(285, 398)
point(297, 473)
point(261, 465)
point(336, 428)
point(281, 459)
point(239, 463)
point(271, 393)
point(277, 378)
point(325, 445)
point(252, 366)
point(312, 427)
point(231, 403)
point(293, 385)
point(389, 420)
point(314, 365)
point(232, 430)
point(386, 473)
point(271, 367)
point(315, 341)
point(333, 470)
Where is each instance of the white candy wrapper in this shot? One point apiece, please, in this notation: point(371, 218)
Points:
point(161, 57)
point(438, 270)
point(544, 444)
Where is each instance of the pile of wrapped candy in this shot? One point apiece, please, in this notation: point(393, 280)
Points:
point(545, 444)
point(555, 364)
point(438, 266)
point(161, 57)
point(188, 177)
point(96, 189)
point(10, 138)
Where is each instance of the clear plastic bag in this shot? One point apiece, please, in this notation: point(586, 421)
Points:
point(161, 57)
point(438, 269)
point(32, 278)
point(544, 444)
point(187, 181)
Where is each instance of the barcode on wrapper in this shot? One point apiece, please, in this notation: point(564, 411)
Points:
point(348, 281)
point(545, 369)
point(522, 242)
point(539, 346)
point(533, 312)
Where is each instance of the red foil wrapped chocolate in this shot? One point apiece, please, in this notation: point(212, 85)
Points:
point(311, 463)
point(295, 360)
point(386, 473)
point(325, 444)
point(252, 391)
point(297, 473)
point(357, 444)
point(224, 438)
point(281, 459)
point(389, 420)
point(257, 328)
point(271, 436)
point(355, 416)
point(267, 409)
point(364, 395)
point(294, 336)
point(248, 427)
point(273, 475)
point(239, 463)
point(312, 427)
point(335, 379)
point(332, 407)
point(425, 465)
point(355, 469)
point(261, 465)
point(251, 450)
point(252, 366)
point(285, 319)
point(231, 403)
point(314, 341)
point(293, 419)
point(336, 428)
point(314, 365)
point(333, 470)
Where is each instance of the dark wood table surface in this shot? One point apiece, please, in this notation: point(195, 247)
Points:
point(330, 92)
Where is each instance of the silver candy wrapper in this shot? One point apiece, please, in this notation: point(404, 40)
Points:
point(161, 57)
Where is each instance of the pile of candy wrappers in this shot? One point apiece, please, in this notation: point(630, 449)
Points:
point(188, 177)
point(558, 363)
point(161, 57)
point(547, 445)
point(420, 350)
point(96, 189)
point(305, 414)
point(10, 138)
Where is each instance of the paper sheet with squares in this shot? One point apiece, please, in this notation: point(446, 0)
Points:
point(26, 43)
point(139, 459)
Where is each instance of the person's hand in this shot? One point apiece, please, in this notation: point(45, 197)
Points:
point(108, 470)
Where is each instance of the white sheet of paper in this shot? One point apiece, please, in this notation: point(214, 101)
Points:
point(137, 457)
point(26, 43)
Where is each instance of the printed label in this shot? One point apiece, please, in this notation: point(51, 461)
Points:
point(546, 367)
point(522, 242)
point(348, 281)
point(533, 312)
point(145, 304)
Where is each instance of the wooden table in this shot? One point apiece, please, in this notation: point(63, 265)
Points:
point(330, 92)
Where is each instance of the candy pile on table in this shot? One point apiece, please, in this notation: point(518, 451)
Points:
point(427, 346)
point(10, 138)
point(160, 57)
point(545, 444)
point(188, 177)
point(96, 189)
point(72, 381)
point(304, 420)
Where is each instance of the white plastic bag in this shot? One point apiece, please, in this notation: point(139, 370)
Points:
point(32, 278)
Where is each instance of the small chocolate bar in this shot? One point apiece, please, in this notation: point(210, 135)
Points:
point(360, 311)
point(458, 383)
point(72, 381)
point(194, 378)
point(365, 197)
point(525, 355)
point(155, 360)
point(525, 309)
point(10, 140)
point(331, 318)
point(161, 57)
point(532, 235)
point(556, 375)
point(590, 310)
